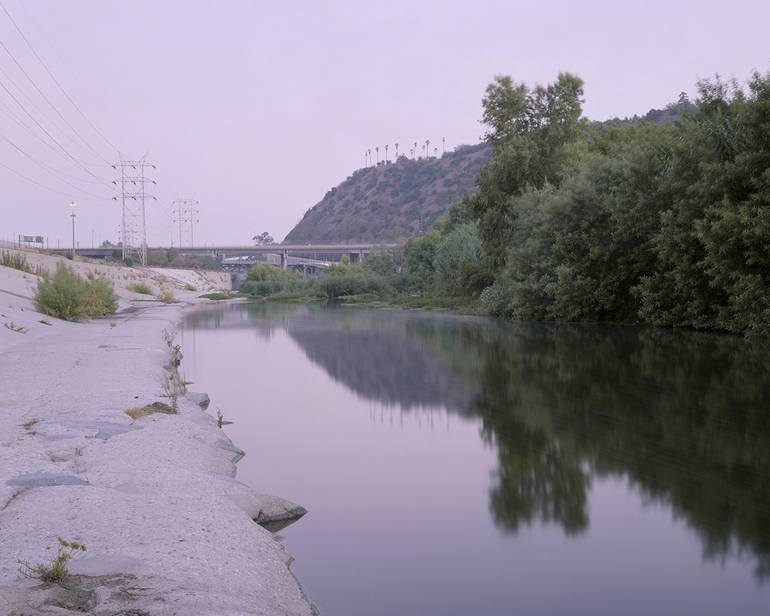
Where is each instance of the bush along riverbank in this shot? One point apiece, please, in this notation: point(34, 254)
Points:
point(622, 221)
point(379, 279)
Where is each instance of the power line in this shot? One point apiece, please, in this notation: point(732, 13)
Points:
point(4, 108)
point(47, 100)
point(56, 81)
point(36, 107)
point(49, 169)
point(52, 138)
point(28, 179)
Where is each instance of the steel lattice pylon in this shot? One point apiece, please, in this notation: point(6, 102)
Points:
point(133, 196)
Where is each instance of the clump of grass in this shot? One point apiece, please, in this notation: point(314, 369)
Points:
point(140, 287)
point(44, 322)
point(29, 425)
point(57, 571)
point(68, 296)
point(217, 296)
point(167, 297)
point(15, 260)
point(150, 409)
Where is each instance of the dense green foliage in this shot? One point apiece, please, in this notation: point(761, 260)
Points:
point(663, 219)
point(68, 296)
point(668, 224)
point(263, 280)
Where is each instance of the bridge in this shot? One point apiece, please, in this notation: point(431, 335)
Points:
point(355, 252)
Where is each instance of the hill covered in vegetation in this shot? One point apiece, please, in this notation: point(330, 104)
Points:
point(393, 201)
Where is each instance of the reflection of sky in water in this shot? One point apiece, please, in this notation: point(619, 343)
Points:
point(452, 466)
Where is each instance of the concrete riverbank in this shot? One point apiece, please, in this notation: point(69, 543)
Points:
point(168, 529)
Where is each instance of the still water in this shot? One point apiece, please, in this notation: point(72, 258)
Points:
point(460, 466)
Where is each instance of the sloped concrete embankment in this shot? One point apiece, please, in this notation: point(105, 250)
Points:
point(168, 528)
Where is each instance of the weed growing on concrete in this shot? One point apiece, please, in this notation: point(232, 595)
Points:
point(45, 322)
point(15, 260)
point(139, 287)
point(167, 297)
point(68, 296)
point(28, 425)
point(173, 382)
point(56, 572)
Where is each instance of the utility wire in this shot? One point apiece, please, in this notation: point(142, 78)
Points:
point(41, 127)
point(47, 100)
point(21, 175)
point(45, 115)
point(8, 112)
point(51, 170)
point(56, 81)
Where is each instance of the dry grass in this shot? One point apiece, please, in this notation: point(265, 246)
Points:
point(150, 409)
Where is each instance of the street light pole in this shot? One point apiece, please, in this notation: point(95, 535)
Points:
point(72, 205)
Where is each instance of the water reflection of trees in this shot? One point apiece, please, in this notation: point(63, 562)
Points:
point(372, 354)
point(683, 416)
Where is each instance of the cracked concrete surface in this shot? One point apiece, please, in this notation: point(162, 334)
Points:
point(169, 531)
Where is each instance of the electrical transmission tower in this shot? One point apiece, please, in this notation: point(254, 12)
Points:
point(133, 195)
point(185, 216)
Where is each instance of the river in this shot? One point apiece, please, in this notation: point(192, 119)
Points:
point(465, 466)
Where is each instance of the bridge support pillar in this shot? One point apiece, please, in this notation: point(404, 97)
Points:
point(284, 259)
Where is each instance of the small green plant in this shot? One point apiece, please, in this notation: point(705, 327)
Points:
point(139, 287)
point(167, 297)
point(217, 296)
point(68, 296)
point(57, 571)
point(15, 260)
point(29, 425)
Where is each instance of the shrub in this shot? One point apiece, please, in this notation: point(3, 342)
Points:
point(263, 280)
point(68, 296)
point(167, 297)
point(140, 287)
point(15, 260)
point(335, 284)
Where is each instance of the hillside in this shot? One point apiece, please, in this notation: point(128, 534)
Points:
point(401, 199)
point(392, 201)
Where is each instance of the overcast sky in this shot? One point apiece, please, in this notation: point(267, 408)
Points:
point(257, 108)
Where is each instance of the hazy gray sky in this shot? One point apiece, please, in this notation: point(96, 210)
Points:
point(257, 108)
